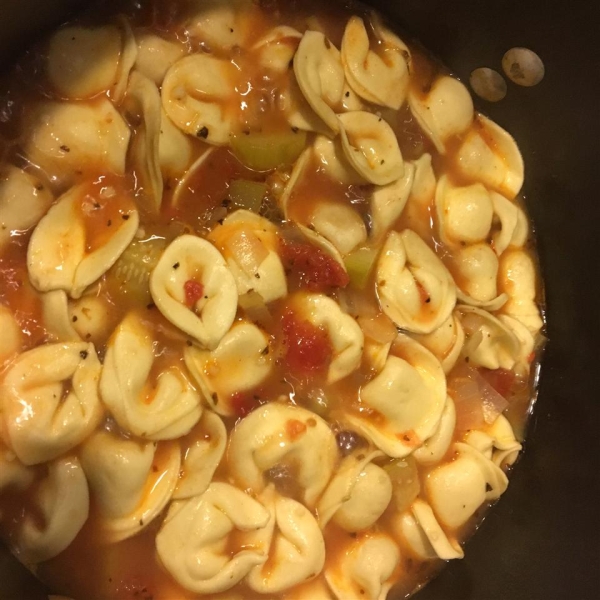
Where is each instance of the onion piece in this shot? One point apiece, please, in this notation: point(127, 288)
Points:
point(248, 250)
point(379, 328)
point(477, 403)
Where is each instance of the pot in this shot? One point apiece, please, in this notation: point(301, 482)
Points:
point(536, 543)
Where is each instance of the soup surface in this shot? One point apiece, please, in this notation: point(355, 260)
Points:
point(269, 304)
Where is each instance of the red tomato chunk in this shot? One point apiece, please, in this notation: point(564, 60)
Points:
point(194, 290)
point(308, 349)
point(315, 269)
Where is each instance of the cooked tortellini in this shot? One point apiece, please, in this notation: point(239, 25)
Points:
point(86, 61)
point(62, 500)
point(414, 287)
point(491, 343)
point(409, 394)
point(155, 407)
point(457, 489)
point(195, 290)
point(444, 111)
point(50, 400)
point(24, 199)
point(269, 304)
point(156, 55)
point(371, 147)
point(517, 278)
point(130, 482)
point(192, 543)
point(320, 75)
point(388, 202)
point(292, 540)
point(423, 534)
point(345, 335)
point(279, 434)
point(194, 92)
point(357, 495)
point(239, 363)
point(249, 244)
point(366, 568)
point(62, 255)
point(67, 138)
point(446, 342)
point(202, 455)
point(378, 78)
point(490, 155)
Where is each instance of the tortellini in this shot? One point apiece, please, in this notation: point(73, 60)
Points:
point(423, 534)
point(63, 255)
point(490, 155)
point(464, 212)
point(292, 540)
point(192, 543)
point(345, 335)
point(194, 92)
point(320, 75)
point(357, 495)
point(62, 499)
point(277, 48)
point(445, 111)
point(239, 363)
point(249, 244)
point(388, 201)
point(65, 137)
point(365, 568)
point(371, 147)
point(434, 449)
point(24, 200)
point(58, 322)
point(194, 289)
point(491, 343)
point(409, 394)
point(378, 78)
point(50, 401)
point(457, 489)
point(205, 448)
point(131, 482)
point(446, 342)
point(156, 55)
point(340, 224)
point(278, 434)
point(517, 279)
point(497, 442)
point(84, 62)
point(153, 406)
point(414, 287)
point(143, 103)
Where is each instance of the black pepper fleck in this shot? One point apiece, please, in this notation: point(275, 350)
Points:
point(176, 266)
point(125, 217)
point(65, 148)
point(203, 132)
point(83, 354)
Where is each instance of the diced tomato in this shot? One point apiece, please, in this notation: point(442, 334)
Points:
point(314, 268)
point(242, 403)
point(501, 380)
point(194, 290)
point(308, 348)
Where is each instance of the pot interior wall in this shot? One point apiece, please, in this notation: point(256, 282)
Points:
point(536, 542)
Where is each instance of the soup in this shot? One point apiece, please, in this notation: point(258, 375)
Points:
point(270, 305)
